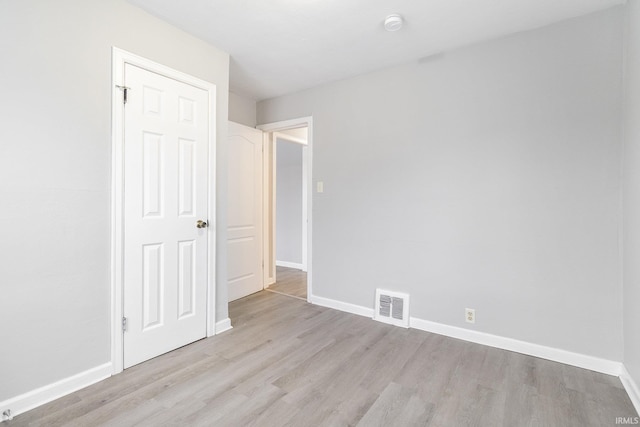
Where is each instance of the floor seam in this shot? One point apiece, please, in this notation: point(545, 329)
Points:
point(286, 295)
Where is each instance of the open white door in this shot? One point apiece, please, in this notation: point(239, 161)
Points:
point(166, 137)
point(244, 246)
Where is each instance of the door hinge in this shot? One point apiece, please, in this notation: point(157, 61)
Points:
point(125, 92)
point(124, 324)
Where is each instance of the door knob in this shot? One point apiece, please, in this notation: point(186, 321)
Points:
point(201, 224)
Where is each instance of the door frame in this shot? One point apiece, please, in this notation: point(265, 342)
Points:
point(269, 194)
point(118, 60)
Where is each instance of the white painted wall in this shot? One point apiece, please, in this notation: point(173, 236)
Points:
point(55, 161)
point(242, 110)
point(486, 177)
point(288, 202)
point(632, 194)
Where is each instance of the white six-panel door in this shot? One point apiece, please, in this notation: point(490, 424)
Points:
point(244, 245)
point(165, 194)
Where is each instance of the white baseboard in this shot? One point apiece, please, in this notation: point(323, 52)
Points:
point(342, 306)
point(34, 398)
point(631, 387)
point(223, 326)
point(592, 363)
point(288, 264)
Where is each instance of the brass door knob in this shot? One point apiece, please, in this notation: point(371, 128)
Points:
point(201, 224)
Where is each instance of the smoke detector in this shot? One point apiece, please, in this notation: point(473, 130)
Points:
point(393, 22)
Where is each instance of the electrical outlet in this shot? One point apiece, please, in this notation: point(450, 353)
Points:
point(320, 187)
point(470, 315)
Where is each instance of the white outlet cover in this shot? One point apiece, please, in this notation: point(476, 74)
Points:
point(320, 186)
point(470, 315)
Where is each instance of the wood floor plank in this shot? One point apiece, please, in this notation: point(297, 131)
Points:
point(431, 368)
point(397, 406)
point(289, 363)
point(290, 281)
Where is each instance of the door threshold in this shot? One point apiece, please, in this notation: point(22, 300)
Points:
point(286, 295)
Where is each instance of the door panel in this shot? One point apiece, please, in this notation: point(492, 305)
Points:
point(244, 244)
point(166, 135)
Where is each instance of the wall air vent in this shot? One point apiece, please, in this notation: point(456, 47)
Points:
point(392, 308)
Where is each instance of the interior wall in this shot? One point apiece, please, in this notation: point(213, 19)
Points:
point(632, 193)
point(242, 110)
point(485, 177)
point(288, 202)
point(55, 176)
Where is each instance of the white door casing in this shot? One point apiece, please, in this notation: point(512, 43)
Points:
point(269, 208)
point(163, 181)
point(244, 244)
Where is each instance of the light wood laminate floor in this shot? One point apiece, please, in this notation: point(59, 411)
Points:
point(290, 281)
point(286, 362)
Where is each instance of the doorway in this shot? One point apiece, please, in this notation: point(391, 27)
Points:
point(290, 218)
point(287, 207)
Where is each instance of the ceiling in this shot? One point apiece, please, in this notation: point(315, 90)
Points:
point(283, 46)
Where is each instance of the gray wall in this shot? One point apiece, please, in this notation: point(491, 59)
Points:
point(289, 202)
point(487, 177)
point(242, 110)
point(55, 160)
point(632, 194)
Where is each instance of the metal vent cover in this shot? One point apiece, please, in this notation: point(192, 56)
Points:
point(392, 307)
